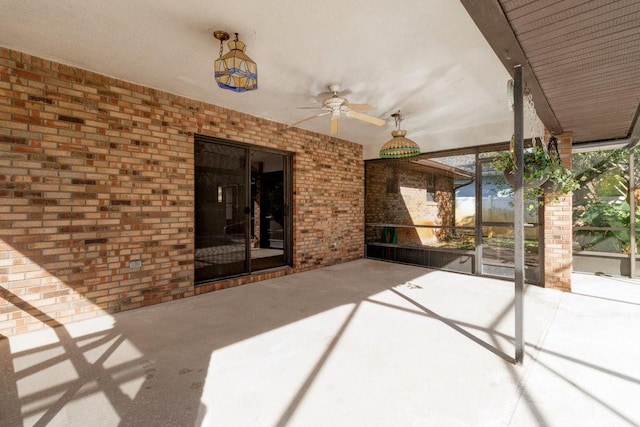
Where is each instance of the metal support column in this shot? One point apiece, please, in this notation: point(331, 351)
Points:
point(518, 221)
point(478, 237)
point(632, 213)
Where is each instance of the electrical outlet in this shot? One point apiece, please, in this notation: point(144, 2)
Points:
point(135, 264)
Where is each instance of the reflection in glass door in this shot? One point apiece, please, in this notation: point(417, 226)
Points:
point(220, 214)
point(268, 210)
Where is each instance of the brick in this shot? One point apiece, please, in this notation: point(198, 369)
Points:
point(558, 231)
point(113, 165)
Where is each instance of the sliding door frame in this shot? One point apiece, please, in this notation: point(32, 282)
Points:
point(247, 199)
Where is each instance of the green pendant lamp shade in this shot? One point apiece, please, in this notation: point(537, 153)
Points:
point(399, 146)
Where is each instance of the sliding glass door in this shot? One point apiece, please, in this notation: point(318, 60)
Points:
point(242, 200)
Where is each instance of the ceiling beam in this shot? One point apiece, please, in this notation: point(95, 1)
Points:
point(494, 26)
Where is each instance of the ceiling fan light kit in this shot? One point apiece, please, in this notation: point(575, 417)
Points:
point(336, 106)
point(235, 70)
point(399, 146)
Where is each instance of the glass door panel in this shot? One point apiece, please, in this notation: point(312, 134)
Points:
point(496, 225)
point(268, 210)
point(221, 214)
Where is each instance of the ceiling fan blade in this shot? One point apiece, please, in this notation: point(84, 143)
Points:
point(366, 118)
point(335, 119)
point(360, 107)
point(309, 118)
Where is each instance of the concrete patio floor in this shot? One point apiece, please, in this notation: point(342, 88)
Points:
point(364, 343)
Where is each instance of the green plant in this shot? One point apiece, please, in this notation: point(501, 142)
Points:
point(561, 180)
point(539, 168)
point(614, 215)
point(536, 165)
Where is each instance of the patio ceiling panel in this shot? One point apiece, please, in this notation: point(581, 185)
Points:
point(585, 55)
point(581, 59)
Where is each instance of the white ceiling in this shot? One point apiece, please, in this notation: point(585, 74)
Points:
point(424, 57)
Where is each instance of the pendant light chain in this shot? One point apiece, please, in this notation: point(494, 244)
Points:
point(537, 128)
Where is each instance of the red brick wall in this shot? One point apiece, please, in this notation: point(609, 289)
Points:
point(96, 172)
point(558, 228)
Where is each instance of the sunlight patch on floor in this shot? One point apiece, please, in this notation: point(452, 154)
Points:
point(252, 382)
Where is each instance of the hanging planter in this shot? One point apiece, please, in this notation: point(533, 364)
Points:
point(542, 173)
point(536, 169)
point(509, 175)
point(543, 170)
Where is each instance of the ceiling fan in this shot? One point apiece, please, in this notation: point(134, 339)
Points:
point(336, 106)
